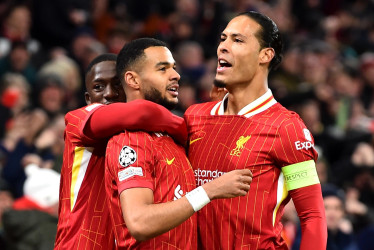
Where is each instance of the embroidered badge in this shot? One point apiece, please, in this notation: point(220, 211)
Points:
point(127, 156)
point(129, 172)
point(240, 145)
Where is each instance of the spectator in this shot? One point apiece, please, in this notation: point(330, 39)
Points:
point(16, 27)
point(340, 230)
point(18, 61)
point(15, 99)
point(32, 223)
point(68, 71)
point(6, 202)
point(50, 95)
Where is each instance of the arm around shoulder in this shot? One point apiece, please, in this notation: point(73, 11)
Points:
point(136, 115)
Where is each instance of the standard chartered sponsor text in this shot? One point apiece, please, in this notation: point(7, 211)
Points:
point(203, 176)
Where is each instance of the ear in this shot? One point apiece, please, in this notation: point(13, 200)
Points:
point(266, 55)
point(132, 80)
point(87, 97)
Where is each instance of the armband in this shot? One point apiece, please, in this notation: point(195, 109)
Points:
point(300, 175)
point(198, 198)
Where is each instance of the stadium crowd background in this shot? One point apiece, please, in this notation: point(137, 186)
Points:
point(326, 76)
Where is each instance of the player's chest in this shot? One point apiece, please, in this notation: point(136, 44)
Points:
point(169, 159)
point(231, 143)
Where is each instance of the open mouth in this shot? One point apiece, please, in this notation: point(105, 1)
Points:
point(173, 90)
point(223, 64)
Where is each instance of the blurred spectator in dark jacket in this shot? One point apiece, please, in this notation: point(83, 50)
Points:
point(68, 71)
point(32, 223)
point(49, 95)
point(6, 203)
point(18, 61)
point(16, 27)
point(340, 230)
point(14, 99)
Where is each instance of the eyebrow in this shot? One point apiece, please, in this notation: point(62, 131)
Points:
point(165, 64)
point(233, 35)
point(102, 79)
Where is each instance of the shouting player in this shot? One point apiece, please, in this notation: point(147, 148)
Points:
point(250, 129)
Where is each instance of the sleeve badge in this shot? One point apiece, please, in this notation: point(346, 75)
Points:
point(127, 156)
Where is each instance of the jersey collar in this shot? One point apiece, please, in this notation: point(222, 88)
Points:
point(257, 106)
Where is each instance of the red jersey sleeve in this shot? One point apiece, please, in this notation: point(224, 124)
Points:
point(295, 143)
point(135, 115)
point(130, 160)
point(296, 155)
point(310, 209)
point(76, 120)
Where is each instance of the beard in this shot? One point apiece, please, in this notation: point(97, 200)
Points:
point(155, 96)
point(219, 83)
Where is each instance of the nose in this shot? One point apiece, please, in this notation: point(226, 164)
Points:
point(175, 75)
point(222, 47)
point(110, 93)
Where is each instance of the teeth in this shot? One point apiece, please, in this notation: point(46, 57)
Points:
point(222, 61)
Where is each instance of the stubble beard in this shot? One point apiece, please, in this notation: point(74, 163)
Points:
point(219, 83)
point(155, 96)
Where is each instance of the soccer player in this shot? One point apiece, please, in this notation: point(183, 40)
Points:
point(83, 214)
point(250, 129)
point(148, 177)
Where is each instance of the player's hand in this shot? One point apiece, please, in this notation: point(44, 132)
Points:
point(232, 184)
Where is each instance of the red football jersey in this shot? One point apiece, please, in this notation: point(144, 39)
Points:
point(83, 221)
point(264, 137)
point(139, 159)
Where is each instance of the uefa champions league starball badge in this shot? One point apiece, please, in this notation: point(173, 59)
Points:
point(127, 156)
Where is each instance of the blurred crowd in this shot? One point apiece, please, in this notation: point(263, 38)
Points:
point(326, 76)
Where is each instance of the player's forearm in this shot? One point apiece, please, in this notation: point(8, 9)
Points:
point(151, 220)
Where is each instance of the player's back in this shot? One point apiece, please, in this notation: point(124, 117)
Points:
point(84, 221)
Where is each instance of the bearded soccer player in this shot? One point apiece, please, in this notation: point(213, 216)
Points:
point(250, 129)
point(83, 221)
point(148, 177)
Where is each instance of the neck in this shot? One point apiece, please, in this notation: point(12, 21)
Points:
point(132, 95)
point(241, 96)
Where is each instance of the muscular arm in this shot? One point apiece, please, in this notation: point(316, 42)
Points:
point(309, 206)
point(145, 220)
point(136, 115)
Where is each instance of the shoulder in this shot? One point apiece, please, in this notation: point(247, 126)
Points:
point(283, 116)
point(135, 138)
point(201, 108)
point(82, 112)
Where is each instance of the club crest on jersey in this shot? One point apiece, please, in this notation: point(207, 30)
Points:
point(240, 145)
point(127, 156)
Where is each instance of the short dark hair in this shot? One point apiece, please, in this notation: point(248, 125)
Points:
point(268, 36)
point(101, 58)
point(133, 51)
